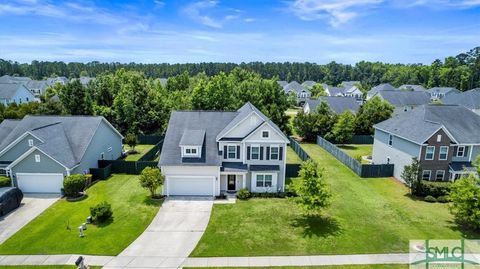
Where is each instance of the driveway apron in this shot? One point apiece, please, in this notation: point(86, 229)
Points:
point(170, 238)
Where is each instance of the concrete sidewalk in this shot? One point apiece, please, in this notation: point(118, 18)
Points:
point(171, 262)
point(298, 260)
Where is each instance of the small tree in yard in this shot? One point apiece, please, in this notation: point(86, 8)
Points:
point(465, 198)
point(411, 174)
point(151, 179)
point(344, 128)
point(313, 192)
point(131, 140)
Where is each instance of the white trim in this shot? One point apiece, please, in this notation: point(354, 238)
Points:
point(433, 153)
point(268, 136)
point(440, 152)
point(251, 151)
point(436, 174)
point(167, 178)
point(28, 152)
point(471, 152)
point(46, 174)
point(388, 132)
point(30, 142)
point(236, 153)
point(274, 186)
point(111, 126)
point(16, 141)
point(429, 174)
point(37, 158)
point(265, 122)
point(238, 123)
point(278, 153)
point(463, 151)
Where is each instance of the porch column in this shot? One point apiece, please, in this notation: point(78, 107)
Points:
point(244, 181)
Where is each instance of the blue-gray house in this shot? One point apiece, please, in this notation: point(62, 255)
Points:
point(37, 152)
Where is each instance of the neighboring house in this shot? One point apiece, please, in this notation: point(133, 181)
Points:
point(212, 152)
point(404, 100)
point(282, 83)
point(15, 93)
point(37, 87)
point(439, 93)
point(381, 87)
point(85, 80)
point(60, 80)
point(337, 104)
point(444, 138)
point(38, 151)
point(301, 92)
point(353, 91)
point(14, 79)
point(469, 99)
point(308, 84)
point(349, 84)
point(334, 91)
point(412, 87)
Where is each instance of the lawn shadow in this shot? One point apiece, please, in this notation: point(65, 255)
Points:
point(347, 147)
point(467, 233)
point(152, 202)
point(317, 225)
point(413, 197)
point(105, 223)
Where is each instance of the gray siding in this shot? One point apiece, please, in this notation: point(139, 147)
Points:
point(104, 138)
point(398, 143)
point(476, 151)
point(20, 148)
point(281, 163)
point(46, 165)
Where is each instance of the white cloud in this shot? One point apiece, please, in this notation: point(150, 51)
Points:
point(337, 12)
point(209, 13)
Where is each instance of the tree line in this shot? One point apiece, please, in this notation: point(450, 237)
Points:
point(461, 71)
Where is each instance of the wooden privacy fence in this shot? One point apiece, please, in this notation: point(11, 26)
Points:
point(101, 173)
point(361, 139)
point(149, 139)
point(152, 153)
point(127, 167)
point(363, 170)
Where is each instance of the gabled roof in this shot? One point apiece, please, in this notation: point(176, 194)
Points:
point(469, 99)
point(412, 87)
point(308, 83)
point(349, 84)
point(192, 138)
point(295, 86)
point(213, 124)
point(13, 79)
point(65, 138)
point(419, 124)
point(282, 83)
point(381, 87)
point(335, 91)
point(442, 90)
point(405, 98)
point(8, 90)
point(337, 104)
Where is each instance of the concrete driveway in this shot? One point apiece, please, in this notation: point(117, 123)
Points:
point(171, 236)
point(32, 206)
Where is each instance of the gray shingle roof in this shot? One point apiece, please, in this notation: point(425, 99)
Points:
point(381, 87)
point(192, 138)
point(442, 90)
point(8, 90)
point(469, 99)
point(412, 87)
point(13, 79)
point(215, 124)
point(420, 123)
point(308, 83)
point(349, 84)
point(6, 127)
point(294, 86)
point(65, 138)
point(336, 91)
point(405, 98)
point(337, 104)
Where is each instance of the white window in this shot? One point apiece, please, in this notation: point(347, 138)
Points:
point(443, 153)
point(265, 134)
point(190, 152)
point(37, 158)
point(439, 175)
point(30, 142)
point(439, 138)
point(264, 180)
point(430, 151)
point(232, 152)
point(461, 151)
point(274, 153)
point(390, 140)
point(426, 174)
point(255, 153)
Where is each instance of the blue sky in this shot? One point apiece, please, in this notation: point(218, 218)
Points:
point(153, 31)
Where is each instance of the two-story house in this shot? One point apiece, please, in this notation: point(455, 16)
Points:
point(15, 93)
point(337, 104)
point(444, 138)
point(404, 101)
point(302, 93)
point(37, 152)
point(469, 99)
point(211, 152)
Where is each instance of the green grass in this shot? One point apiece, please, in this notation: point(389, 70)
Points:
point(43, 266)
point(292, 157)
point(368, 266)
point(366, 216)
point(141, 149)
point(48, 234)
point(354, 150)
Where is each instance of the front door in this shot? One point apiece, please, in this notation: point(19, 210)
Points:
point(231, 182)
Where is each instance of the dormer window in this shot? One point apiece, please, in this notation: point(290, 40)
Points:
point(190, 151)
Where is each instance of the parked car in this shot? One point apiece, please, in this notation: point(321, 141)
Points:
point(10, 199)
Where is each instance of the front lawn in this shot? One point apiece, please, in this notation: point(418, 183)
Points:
point(354, 150)
point(43, 267)
point(141, 150)
point(366, 216)
point(366, 266)
point(48, 233)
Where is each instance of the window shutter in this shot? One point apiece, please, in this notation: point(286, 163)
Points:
point(224, 152)
point(248, 153)
point(261, 153)
point(280, 153)
point(268, 154)
point(238, 152)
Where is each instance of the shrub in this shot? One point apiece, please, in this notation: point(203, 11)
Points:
point(101, 212)
point(5, 182)
point(243, 194)
point(430, 199)
point(432, 188)
point(151, 179)
point(465, 205)
point(73, 185)
point(443, 199)
point(269, 195)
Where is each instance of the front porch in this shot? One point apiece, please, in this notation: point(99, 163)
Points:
point(458, 170)
point(230, 182)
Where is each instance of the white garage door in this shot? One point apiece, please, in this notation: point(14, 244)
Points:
point(190, 186)
point(40, 183)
